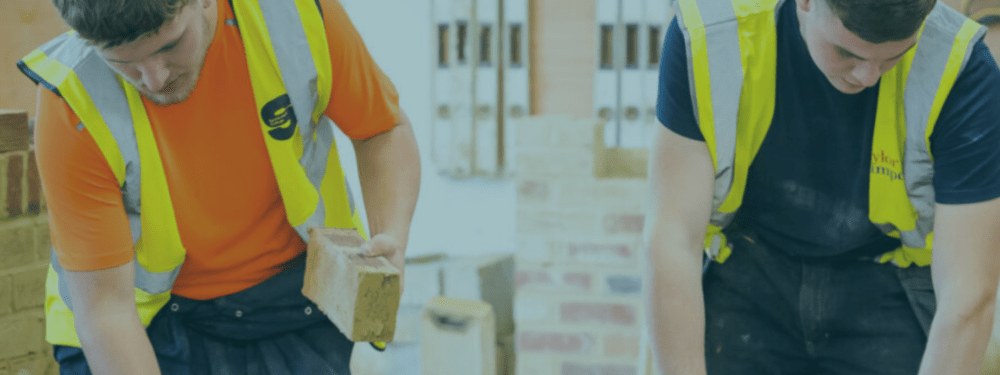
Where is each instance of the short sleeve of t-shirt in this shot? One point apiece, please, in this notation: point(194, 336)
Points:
point(364, 102)
point(966, 139)
point(674, 108)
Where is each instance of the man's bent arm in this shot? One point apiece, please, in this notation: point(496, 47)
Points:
point(389, 172)
point(965, 271)
point(107, 322)
point(681, 179)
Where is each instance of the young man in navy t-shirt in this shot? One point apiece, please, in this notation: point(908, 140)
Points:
point(802, 292)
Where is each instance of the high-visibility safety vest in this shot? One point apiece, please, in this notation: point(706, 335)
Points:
point(732, 60)
point(290, 71)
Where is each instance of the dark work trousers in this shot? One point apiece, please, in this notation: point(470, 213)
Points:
point(767, 312)
point(270, 328)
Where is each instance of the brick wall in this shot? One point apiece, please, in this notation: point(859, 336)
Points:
point(578, 306)
point(24, 255)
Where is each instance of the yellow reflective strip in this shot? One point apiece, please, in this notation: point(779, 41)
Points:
point(299, 197)
point(955, 60)
point(160, 248)
point(149, 304)
point(315, 31)
point(749, 8)
point(888, 199)
point(758, 36)
point(702, 82)
point(59, 324)
point(76, 96)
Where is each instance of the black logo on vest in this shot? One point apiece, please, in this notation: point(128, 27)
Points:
point(279, 115)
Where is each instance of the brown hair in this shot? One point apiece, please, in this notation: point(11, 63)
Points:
point(880, 21)
point(111, 23)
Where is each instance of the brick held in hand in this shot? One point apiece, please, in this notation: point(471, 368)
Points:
point(359, 294)
point(14, 133)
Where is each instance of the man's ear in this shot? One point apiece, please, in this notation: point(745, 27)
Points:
point(206, 4)
point(805, 5)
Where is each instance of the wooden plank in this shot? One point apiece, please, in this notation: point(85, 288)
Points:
point(359, 294)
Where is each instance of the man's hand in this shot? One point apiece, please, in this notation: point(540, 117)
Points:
point(385, 245)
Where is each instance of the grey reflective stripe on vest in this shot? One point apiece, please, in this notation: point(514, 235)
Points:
point(929, 63)
point(726, 77)
point(101, 85)
point(297, 65)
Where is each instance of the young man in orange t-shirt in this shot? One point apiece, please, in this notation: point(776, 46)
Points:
point(237, 303)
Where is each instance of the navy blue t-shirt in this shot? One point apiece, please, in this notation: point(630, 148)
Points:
point(807, 191)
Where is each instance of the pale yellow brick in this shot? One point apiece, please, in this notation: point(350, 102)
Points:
point(556, 164)
point(43, 239)
point(536, 249)
point(29, 287)
point(21, 334)
point(17, 242)
point(6, 296)
point(359, 294)
point(556, 223)
point(618, 195)
point(535, 364)
point(32, 364)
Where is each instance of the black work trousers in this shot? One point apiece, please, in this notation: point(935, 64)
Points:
point(769, 313)
point(268, 329)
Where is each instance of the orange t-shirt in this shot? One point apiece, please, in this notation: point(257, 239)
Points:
point(228, 207)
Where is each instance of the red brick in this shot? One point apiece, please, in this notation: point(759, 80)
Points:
point(15, 175)
point(522, 278)
point(34, 185)
point(577, 280)
point(601, 313)
point(562, 343)
point(602, 254)
point(619, 345)
point(533, 192)
point(571, 368)
point(623, 223)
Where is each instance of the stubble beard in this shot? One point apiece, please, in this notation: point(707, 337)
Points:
point(183, 92)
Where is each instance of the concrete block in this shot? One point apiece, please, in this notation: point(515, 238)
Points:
point(14, 134)
point(359, 294)
point(423, 280)
point(43, 238)
point(408, 324)
point(488, 278)
point(574, 368)
point(34, 184)
point(458, 337)
point(365, 360)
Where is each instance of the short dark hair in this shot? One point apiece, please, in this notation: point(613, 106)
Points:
point(111, 23)
point(880, 21)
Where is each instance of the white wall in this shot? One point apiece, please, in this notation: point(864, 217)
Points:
point(454, 217)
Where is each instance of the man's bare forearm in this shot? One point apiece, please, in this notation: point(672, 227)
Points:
point(957, 340)
point(389, 172)
point(677, 308)
point(116, 344)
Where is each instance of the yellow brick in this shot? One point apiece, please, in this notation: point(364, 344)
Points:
point(6, 297)
point(29, 288)
point(21, 334)
point(360, 295)
point(17, 242)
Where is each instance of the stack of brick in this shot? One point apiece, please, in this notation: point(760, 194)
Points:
point(578, 305)
point(24, 254)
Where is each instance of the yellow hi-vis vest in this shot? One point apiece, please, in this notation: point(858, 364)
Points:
point(290, 70)
point(732, 60)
